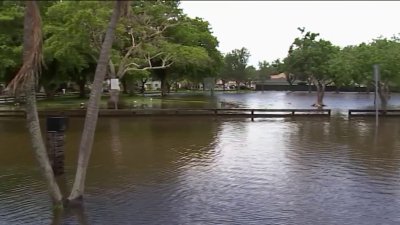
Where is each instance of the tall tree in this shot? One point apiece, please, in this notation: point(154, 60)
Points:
point(266, 69)
point(141, 39)
point(26, 79)
point(385, 53)
point(196, 33)
point(341, 68)
point(251, 75)
point(85, 147)
point(310, 56)
point(194, 52)
point(235, 63)
point(74, 32)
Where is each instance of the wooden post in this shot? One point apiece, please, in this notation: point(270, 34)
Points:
point(56, 127)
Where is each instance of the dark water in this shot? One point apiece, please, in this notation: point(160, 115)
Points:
point(215, 171)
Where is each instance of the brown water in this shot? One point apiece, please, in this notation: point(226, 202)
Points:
point(215, 171)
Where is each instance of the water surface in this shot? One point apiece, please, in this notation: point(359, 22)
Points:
point(215, 171)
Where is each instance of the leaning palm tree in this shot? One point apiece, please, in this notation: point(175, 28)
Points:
point(85, 148)
point(25, 81)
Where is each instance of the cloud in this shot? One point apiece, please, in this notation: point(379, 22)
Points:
point(267, 28)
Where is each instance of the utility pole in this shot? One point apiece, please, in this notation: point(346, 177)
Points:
point(376, 77)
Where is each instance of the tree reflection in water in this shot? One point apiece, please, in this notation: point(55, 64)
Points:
point(68, 213)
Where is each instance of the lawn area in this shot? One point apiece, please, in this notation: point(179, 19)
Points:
point(181, 99)
point(73, 102)
point(136, 101)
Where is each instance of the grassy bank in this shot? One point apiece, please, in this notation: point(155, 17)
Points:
point(136, 101)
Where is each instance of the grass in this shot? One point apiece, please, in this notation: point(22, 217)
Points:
point(187, 98)
point(74, 102)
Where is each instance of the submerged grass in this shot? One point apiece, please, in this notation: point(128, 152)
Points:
point(136, 101)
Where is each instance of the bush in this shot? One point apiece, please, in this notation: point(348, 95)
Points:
point(244, 88)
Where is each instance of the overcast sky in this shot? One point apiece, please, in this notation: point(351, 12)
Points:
point(267, 28)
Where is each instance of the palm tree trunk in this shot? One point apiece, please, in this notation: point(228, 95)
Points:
point(87, 138)
point(38, 146)
point(32, 13)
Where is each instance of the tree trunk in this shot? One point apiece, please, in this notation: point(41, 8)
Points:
point(38, 145)
point(124, 86)
point(113, 101)
point(383, 91)
point(289, 79)
point(49, 92)
point(32, 119)
point(176, 86)
point(168, 87)
point(337, 89)
point(81, 84)
point(320, 94)
point(85, 147)
point(162, 74)
point(143, 85)
point(223, 85)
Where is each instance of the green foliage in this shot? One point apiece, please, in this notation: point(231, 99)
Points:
point(251, 73)
point(235, 64)
point(341, 68)
point(310, 57)
point(386, 53)
point(196, 33)
point(353, 64)
point(165, 38)
point(266, 69)
point(193, 50)
point(74, 32)
point(11, 27)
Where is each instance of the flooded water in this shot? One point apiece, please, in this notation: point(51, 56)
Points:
point(338, 102)
point(216, 171)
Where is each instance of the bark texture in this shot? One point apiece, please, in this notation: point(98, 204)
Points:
point(26, 77)
point(85, 147)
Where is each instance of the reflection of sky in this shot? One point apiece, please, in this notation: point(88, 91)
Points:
point(304, 100)
point(234, 171)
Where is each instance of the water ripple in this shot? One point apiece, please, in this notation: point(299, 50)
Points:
point(270, 171)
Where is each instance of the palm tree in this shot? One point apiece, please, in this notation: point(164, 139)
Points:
point(85, 147)
point(25, 81)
